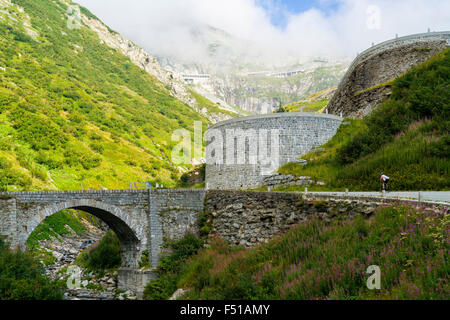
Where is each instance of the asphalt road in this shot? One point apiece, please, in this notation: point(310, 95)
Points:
point(437, 196)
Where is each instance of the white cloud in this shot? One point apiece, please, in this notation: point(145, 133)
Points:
point(164, 27)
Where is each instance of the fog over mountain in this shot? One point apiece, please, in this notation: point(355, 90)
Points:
point(177, 27)
point(258, 54)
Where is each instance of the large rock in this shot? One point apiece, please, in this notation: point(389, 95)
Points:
point(366, 83)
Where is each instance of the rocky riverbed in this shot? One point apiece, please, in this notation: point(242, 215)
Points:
point(81, 284)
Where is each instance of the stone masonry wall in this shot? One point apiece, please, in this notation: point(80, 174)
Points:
point(298, 134)
point(286, 180)
point(380, 64)
point(248, 218)
point(8, 222)
point(172, 214)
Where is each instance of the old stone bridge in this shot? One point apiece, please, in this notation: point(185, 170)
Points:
point(145, 219)
point(138, 217)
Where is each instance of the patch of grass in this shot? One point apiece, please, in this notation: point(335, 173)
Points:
point(306, 106)
point(384, 84)
point(54, 226)
point(45, 256)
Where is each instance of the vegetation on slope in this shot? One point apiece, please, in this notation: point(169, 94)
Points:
point(290, 89)
point(316, 102)
point(320, 259)
point(21, 278)
point(213, 108)
point(406, 138)
point(75, 113)
point(102, 256)
point(170, 266)
point(54, 226)
point(194, 178)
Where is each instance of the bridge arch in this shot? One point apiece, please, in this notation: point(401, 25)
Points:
point(113, 216)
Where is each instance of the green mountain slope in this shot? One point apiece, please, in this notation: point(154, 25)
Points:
point(74, 112)
point(406, 138)
point(316, 102)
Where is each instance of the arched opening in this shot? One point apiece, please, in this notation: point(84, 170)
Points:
point(130, 245)
point(129, 242)
point(130, 231)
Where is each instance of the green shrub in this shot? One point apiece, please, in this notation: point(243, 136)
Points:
point(104, 256)
point(21, 278)
point(170, 266)
point(9, 176)
point(145, 262)
point(87, 160)
point(97, 147)
point(49, 160)
point(38, 131)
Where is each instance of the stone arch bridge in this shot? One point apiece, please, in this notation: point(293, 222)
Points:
point(142, 220)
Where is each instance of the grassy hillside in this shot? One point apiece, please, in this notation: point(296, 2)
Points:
point(75, 113)
point(316, 102)
point(55, 225)
point(406, 138)
point(212, 108)
point(326, 260)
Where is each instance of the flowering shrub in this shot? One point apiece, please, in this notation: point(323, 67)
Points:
point(329, 260)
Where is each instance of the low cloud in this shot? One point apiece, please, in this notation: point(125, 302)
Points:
point(177, 27)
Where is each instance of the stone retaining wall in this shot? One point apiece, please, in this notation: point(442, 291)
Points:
point(299, 133)
point(248, 218)
point(286, 180)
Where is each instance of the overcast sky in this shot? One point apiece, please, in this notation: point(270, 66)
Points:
point(335, 27)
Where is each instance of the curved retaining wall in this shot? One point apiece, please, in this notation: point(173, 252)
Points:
point(238, 150)
point(379, 64)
